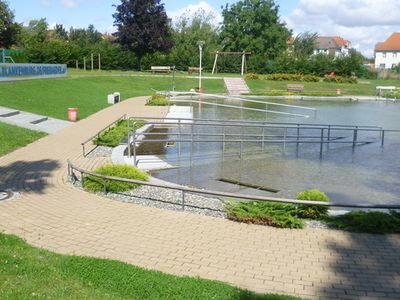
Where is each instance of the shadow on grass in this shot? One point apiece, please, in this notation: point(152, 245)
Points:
point(27, 175)
point(366, 265)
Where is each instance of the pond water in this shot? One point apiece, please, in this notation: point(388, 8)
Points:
point(366, 174)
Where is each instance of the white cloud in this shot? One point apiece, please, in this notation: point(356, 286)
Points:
point(192, 9)
point(363, 22)
point(69, 3)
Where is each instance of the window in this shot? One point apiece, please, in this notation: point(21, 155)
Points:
point(394, 66)
point(394, 54)
point(384, 54)
point(382, 66)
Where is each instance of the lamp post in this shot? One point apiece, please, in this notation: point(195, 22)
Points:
point(200, 44)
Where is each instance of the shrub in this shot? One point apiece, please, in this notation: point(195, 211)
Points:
point(311, 78)
point(252, 76)
point(157, 100)
point(264, 213)
point(312, 211)
point(113, 136)
point(340, 79)
point(392, 95)
point(368, 222)
point(96, 184)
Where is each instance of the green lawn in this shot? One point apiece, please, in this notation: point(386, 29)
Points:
point(13, 137)
point(31, 273)
point(52, 97)
point(363, 88)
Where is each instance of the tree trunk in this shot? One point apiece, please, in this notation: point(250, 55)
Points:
point(139, 63)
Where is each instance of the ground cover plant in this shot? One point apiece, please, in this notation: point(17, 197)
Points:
point(28, 272)
point(95, 184)
point(157, 100)
point(264, 213)
point(53, 97)
point(367, 222)
point(13, 137)
point(113, 136)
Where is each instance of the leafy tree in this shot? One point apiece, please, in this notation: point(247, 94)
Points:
point(60, 32)
point(254, 25)
point(143, 27)
point(304, 44)
point(9, 30)
point(187, 33)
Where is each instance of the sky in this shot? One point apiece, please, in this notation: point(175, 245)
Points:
point(363, 22)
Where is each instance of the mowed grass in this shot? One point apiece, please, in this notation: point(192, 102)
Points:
point(52, 97)
point(31, 273)
point(13, 137)
point(362, 88)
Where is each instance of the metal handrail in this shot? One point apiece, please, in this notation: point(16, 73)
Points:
point(255, 122)
point(123, 117)
point(185, 189)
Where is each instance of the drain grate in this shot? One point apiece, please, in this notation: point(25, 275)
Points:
point(4, 195)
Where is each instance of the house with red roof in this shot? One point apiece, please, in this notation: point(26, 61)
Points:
point(387, 53)
point(331, 45)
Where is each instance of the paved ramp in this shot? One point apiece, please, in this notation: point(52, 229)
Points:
point(236, 86)
point(32, 121)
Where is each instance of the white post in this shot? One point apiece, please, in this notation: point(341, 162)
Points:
point(201, 44)
point(92, 65)
point(215, 63)
point(243, 59)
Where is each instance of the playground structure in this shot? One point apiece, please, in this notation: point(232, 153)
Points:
point(242, 54)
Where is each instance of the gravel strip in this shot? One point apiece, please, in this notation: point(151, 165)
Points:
point(168, 199)
point(101, 151)
point(314, 224)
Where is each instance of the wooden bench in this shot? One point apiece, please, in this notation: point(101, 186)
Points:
point(160, 69)
point(380, 89)
point(295, 88)
point(193, 69)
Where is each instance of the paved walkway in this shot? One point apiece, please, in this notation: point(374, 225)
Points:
point(32, 121)
point(312, 263)
point(236, 86)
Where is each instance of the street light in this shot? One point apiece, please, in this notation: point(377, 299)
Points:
point(200, 44)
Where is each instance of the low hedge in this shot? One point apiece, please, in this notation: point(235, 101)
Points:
point(114, 135)
point(96, 184)
point(252, 76)
point(340, 79)
point(157, 100)
point(293, 77)
point(264, 213)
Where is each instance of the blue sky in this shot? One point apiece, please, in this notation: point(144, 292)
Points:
point(363, 22)
point(98, 12)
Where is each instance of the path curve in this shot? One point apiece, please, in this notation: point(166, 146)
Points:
point(52, 214)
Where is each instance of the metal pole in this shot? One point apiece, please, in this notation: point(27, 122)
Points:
point(243, 58)
point(355, 136)
point(129, 145)
point(298, 137)
point(180, 137)
point(383, 138)
point(322, 142)
point(173, 79)
point(183, 200)
point(134, 148)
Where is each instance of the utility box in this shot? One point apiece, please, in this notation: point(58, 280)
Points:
point(111, 99)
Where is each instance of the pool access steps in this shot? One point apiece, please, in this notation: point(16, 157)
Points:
point(236, 86)
point(32, 121)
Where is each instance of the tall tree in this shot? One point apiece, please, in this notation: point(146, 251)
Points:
point(254, 25)
point(9, 29)
point(143, 27)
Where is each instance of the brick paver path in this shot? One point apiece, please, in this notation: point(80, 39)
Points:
point(311, 263)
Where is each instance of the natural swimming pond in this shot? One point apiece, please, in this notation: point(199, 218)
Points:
point(365, 174)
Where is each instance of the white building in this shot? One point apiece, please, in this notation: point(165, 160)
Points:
point(387, 54)
point(332, 45)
